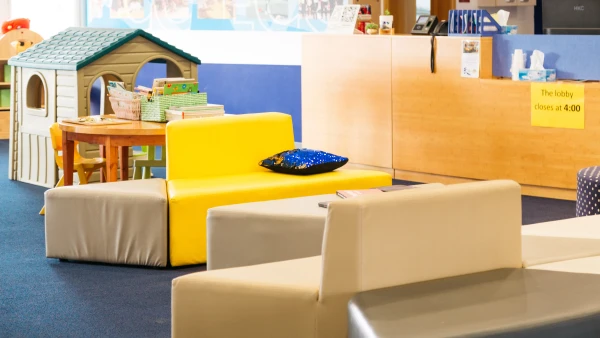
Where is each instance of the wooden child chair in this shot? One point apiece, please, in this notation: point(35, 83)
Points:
point(142, 167)
point(84, 167)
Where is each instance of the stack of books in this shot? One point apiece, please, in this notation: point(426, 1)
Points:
point(180, 113)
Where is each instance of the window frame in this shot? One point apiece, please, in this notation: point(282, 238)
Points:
point(41, 111)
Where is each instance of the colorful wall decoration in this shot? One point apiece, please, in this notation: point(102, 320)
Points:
point(247, 47)
point(223, 15)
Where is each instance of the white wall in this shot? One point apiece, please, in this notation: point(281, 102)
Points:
point(4, 10)
point(521, 16)
point(238, 47)
point(48, 17)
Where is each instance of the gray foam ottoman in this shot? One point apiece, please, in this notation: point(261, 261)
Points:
point(500, 303)
point(271, 231)
point(118, 222)
point(264, 232)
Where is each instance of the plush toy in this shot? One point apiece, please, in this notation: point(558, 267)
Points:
point(10, 25)
point(21, 45)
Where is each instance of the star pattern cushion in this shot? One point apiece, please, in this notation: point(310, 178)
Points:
point(303, 162)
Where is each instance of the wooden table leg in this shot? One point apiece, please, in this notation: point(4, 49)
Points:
point(68, 156)
point(112, 157)
point(102, 155)
point(124, 162)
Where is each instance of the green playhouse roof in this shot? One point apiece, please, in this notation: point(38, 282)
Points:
point(75, 48)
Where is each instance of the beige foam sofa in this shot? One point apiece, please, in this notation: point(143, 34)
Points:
point(570, 245)
point(370, 242)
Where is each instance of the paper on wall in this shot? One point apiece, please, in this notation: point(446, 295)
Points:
point(470, 59)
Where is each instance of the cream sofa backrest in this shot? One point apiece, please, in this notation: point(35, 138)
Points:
point(397, 238)
point(228, 145)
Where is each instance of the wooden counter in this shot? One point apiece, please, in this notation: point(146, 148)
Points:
point(443, 128)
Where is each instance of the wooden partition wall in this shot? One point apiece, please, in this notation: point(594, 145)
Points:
point(441, 127)
point(441, 8)
point(347, 97)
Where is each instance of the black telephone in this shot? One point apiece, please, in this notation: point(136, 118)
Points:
point(425, 25)
point(441, 29)
point(428, 25)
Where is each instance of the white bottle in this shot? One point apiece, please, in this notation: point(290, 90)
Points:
point(518, 62)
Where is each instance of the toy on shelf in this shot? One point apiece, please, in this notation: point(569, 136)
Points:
point(16, 38)
point(386, 23)
point(10, 25)
point(57, 78)
point(364, 16)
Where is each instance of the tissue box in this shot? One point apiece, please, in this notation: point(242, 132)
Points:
point(510, 29)
point(544, 75)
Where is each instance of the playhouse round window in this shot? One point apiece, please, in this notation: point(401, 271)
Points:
point(36, 93)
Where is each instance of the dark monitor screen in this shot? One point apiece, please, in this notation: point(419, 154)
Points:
point(572, 31)
point(570, 14)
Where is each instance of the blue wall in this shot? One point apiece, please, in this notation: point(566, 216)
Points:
point(244, 88)
point(573, 56)
point(254, 88)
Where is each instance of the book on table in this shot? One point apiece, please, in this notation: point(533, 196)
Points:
point(96, 121)
point(396, 188)
point(180, 113)
point(343, 194)
point(353, 193)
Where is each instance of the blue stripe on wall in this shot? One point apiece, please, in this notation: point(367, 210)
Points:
point(254, 88)
point(245, 89)
point(573, 56)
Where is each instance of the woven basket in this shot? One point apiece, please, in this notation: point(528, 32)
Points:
point(129, 109)
point(155, 110)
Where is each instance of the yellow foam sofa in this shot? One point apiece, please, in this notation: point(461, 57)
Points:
point(214, 161)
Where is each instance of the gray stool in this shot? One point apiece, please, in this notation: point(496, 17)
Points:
point(271, 231)
point(264, 232)
point(588, 193)
point(119, 222)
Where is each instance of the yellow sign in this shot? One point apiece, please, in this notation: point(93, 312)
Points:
point(557, 105)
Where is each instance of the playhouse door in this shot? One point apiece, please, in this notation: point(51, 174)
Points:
point(98, 104)
point(35, 112)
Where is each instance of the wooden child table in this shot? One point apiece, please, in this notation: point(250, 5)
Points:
point(114, 141)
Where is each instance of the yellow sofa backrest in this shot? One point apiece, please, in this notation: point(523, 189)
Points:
point(228, 145)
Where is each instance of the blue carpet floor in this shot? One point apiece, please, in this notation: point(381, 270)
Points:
point(42, 297)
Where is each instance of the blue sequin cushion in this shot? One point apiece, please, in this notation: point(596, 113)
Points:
point(303, 162)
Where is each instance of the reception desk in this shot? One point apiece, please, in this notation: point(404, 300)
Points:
point(375, 100)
